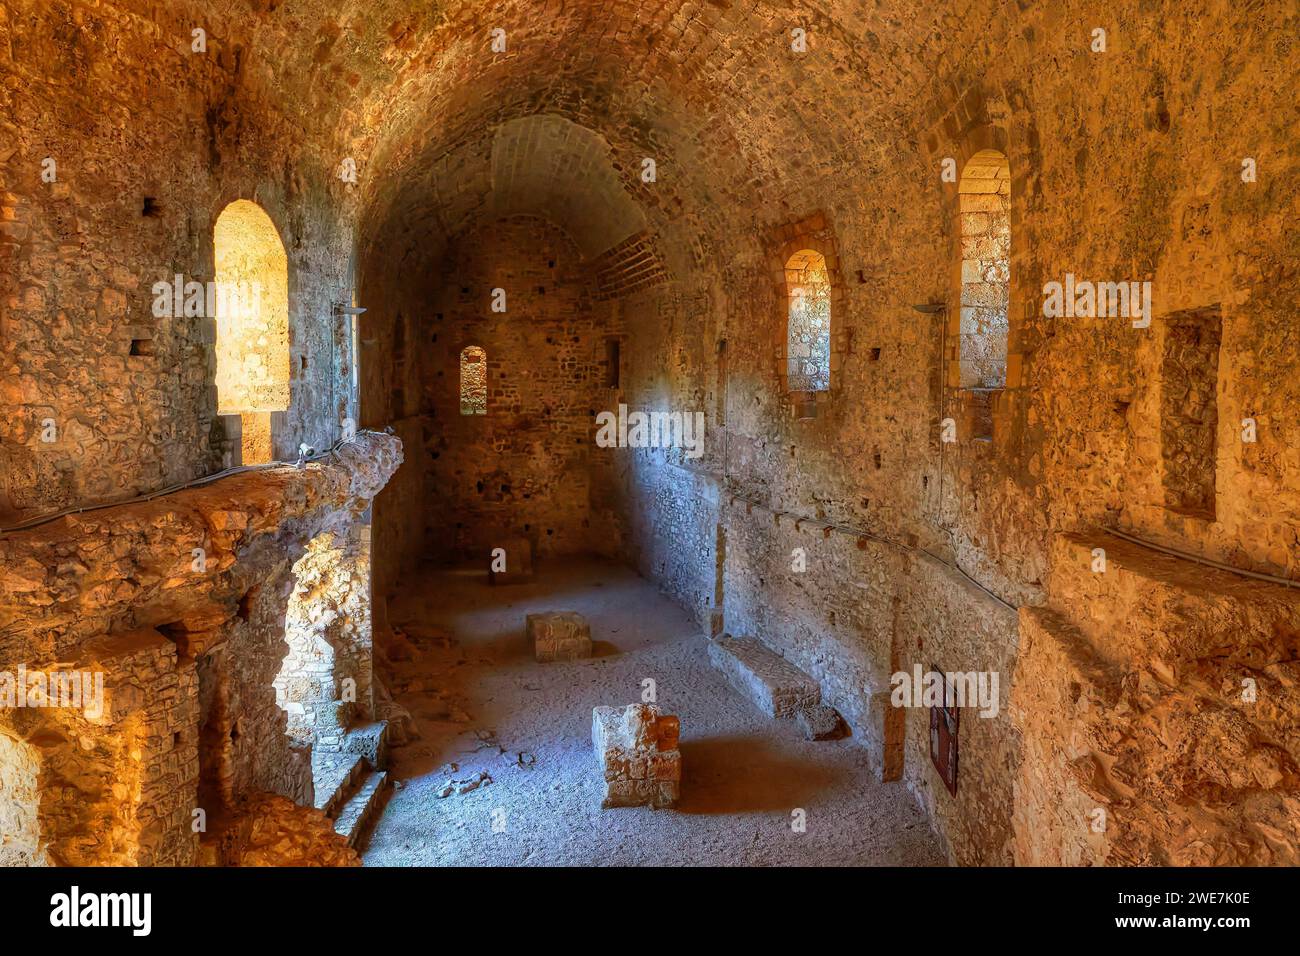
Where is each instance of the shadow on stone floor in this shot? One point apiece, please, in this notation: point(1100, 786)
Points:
point(743, 774)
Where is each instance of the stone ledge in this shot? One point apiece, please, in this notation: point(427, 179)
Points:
point(777, 687)
point(1151, 604)
point(81, 575)
point(1188, 768)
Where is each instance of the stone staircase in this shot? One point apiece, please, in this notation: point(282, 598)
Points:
point(351, 783)
point(362, 808)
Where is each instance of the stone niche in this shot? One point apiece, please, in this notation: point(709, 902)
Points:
point(109, 783)
point(244, 745)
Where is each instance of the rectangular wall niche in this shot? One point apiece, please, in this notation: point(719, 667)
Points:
point(613, 362)
point(1189, 414)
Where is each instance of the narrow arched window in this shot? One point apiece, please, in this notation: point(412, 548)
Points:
point(473, 381)
point(808, 324)
point(985, 213)
point(251, 304)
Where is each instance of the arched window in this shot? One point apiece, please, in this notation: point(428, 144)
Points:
point(808, 325)
point(252, 313)
point(984, 193)
point(473, 381)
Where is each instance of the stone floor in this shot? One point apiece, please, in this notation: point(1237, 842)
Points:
point(484, 705)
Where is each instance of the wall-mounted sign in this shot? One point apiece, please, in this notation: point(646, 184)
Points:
point(943, 734)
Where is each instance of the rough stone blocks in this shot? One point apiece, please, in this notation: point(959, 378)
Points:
point(820, 722)
point(637, 750)
point(559, 636)
point(777, 687)
point(369, 740)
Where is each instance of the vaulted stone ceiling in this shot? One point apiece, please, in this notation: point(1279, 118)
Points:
point(712, 92)
point(970, 552)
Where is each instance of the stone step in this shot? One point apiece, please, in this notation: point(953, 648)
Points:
point(336, 777)
point(362, 808)
point(369, 740)
point(1151, 604)
point(777, 687)
point(331, 725)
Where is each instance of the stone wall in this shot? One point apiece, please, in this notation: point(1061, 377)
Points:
point(675, 537)
point(672, 501)
point(180, 602)
point(325, 682)
point(1125, 165)
point(861, 610)
point(529, 467)
point(149, 142)
point(398, 513)
point(1157, 702)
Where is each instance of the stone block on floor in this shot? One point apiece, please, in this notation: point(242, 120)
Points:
point(821, 722)
point(777, 687)
point(370, 740)
point(636, 747)
point(559, 635)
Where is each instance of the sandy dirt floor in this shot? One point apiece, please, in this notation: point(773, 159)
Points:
point(490, 714)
